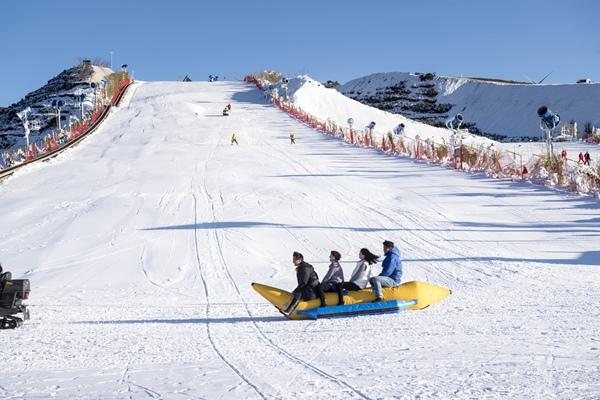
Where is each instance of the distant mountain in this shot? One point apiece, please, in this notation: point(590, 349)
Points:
point(503, 110)
point(66, 86)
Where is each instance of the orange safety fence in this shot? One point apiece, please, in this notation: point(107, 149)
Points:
point(61, 139)
point(481, 159)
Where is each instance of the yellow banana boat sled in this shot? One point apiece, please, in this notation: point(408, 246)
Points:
point(413, 295)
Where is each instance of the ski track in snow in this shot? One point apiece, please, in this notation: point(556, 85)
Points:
point(141, 244)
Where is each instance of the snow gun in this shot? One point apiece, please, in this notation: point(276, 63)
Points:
point(548, 119)
point(455, 122)
point(413, 295)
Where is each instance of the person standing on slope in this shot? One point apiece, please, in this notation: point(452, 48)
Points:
point(292, 138)
point(335, 275)
point(234, 139)
point(308, 284)
point(361, 274)
point(391, 274)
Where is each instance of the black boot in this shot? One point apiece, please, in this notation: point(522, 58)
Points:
point(321, 295)
point(340, 292)
point(290, 309)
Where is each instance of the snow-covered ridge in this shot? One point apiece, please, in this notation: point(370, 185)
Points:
point(66, 86)
point(501, 109)
point(324, 103)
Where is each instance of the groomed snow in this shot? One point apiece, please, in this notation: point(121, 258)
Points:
point(141, 244)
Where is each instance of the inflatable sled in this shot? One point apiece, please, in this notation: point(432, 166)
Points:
point(413, 295)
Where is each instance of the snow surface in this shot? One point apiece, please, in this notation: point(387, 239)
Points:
point(496, 107)
point(141, 244)
point(314, 98)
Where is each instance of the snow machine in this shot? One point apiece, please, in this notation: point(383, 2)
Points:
point(413, 295)
point(12, 294)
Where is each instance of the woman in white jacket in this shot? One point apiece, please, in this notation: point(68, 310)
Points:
point(361, 274)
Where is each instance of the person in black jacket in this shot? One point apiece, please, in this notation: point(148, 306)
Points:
point(308, 284)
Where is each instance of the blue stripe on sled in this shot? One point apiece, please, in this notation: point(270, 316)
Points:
point(349, 310)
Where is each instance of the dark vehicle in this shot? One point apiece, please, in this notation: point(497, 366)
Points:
point(12, 294)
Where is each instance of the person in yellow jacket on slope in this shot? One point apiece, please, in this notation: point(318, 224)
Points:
point(234, 139)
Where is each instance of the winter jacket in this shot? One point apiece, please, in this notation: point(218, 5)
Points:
point(361, 274)
point(308, 280)
point(335, 274)
point(392, 265)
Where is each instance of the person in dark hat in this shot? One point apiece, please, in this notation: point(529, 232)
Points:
point(391, 273)
point(308, 284)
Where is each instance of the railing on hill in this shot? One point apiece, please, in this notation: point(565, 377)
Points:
point(455, 154)
point(51, 146)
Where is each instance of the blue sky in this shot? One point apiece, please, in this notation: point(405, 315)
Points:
point(341, 40)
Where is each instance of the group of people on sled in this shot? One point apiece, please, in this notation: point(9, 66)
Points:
point(309, 287)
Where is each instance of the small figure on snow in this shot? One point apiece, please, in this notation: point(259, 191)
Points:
point(581, 157)
point(587, 158)
point(292, 138)
point(234, 139)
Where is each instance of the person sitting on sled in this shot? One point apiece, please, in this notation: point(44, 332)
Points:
point(308, 284)
point(361, 274)
point(334, 276)
point(391, 274)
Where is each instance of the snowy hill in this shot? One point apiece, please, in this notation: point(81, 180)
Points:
point(325, 103)
point(499, 109)
point(141, 244)
point(66, 86)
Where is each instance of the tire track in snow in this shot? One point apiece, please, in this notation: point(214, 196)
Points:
point(266, 339)
point(235, 369)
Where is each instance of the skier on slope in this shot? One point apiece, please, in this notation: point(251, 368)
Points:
point(234, 139)
point(292, 138)
point(308, 284)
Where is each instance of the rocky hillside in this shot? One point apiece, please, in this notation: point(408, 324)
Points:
point(498, 109)
point(66, 86)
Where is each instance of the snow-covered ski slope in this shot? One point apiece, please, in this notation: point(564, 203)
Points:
point(142, 242)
